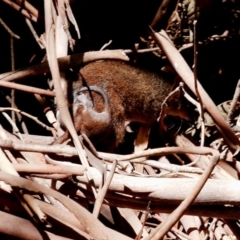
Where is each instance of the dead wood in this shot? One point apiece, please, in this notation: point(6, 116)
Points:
point(146, 145)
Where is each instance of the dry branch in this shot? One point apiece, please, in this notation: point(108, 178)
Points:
point(64, 64)
point(123, 197)
point(171, 190)
point(186, 75)
point(97, 229)
point(25, 229)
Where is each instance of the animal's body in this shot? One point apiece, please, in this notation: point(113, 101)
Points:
point(133, 95)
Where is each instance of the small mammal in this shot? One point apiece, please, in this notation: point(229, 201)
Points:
point(86, 118)
point(109, 94)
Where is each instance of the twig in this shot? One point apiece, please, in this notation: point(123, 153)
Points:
point(59, 149)
point(200, 108)
point(149, 186)
point(30, 138)
point(70, 61)
point(143, 221)
point(233, 103)
point(33, 232)
point(88, 223)
point(136, 192)
point(163, 14)
point(13, 105)
point(172, 167)
point(25, 88)
point(11, 33)
point(218, 172)
point(64, 63)
point(72, 18)
point(49, 169)
point(13, 91)
point(24, 12)
point(163, 228)
point(47, 111)
point(35, 119)
point(57, 212)
point(174, 229)
point(34, 33)
point(61, 101)
point(23, 124)
point(61, 163)
point(31, 206)
point(186, 74)
point(146, 50)
point(102, 192)
point(105, 45)
point(14, 126)
point(62, 25)
point(29, 7)
point(12, 36)
point(157, 152)
point(71, 151)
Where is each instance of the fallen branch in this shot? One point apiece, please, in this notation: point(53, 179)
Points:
point(64, 64)
point(25, 88)
point(163, 228)
point(169, 190)
point(97, 229)
point(206, 209)
point(32, 231)
point(181, 67)
point(48, 169)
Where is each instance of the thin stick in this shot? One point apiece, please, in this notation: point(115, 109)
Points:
point(34, 33)
point(29, 7)
point(31, 206)
point(233, 103)
point(52, 130)
point(25, 88)
point(23, 124)
point(195, 78)
point(24, 12)
point(13, 91)
point(64, 63)
point(61, 101)
point(68, 150)
point(49, 169)
point(179, 64)
point(163, 228)
point(88, 223)
point(11, 33)
point(102, 192)
point(13, 124)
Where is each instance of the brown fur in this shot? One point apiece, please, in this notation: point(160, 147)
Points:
point(86, 118)
point(135, 95)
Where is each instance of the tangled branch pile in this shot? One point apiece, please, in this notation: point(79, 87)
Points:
point(97, 142)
